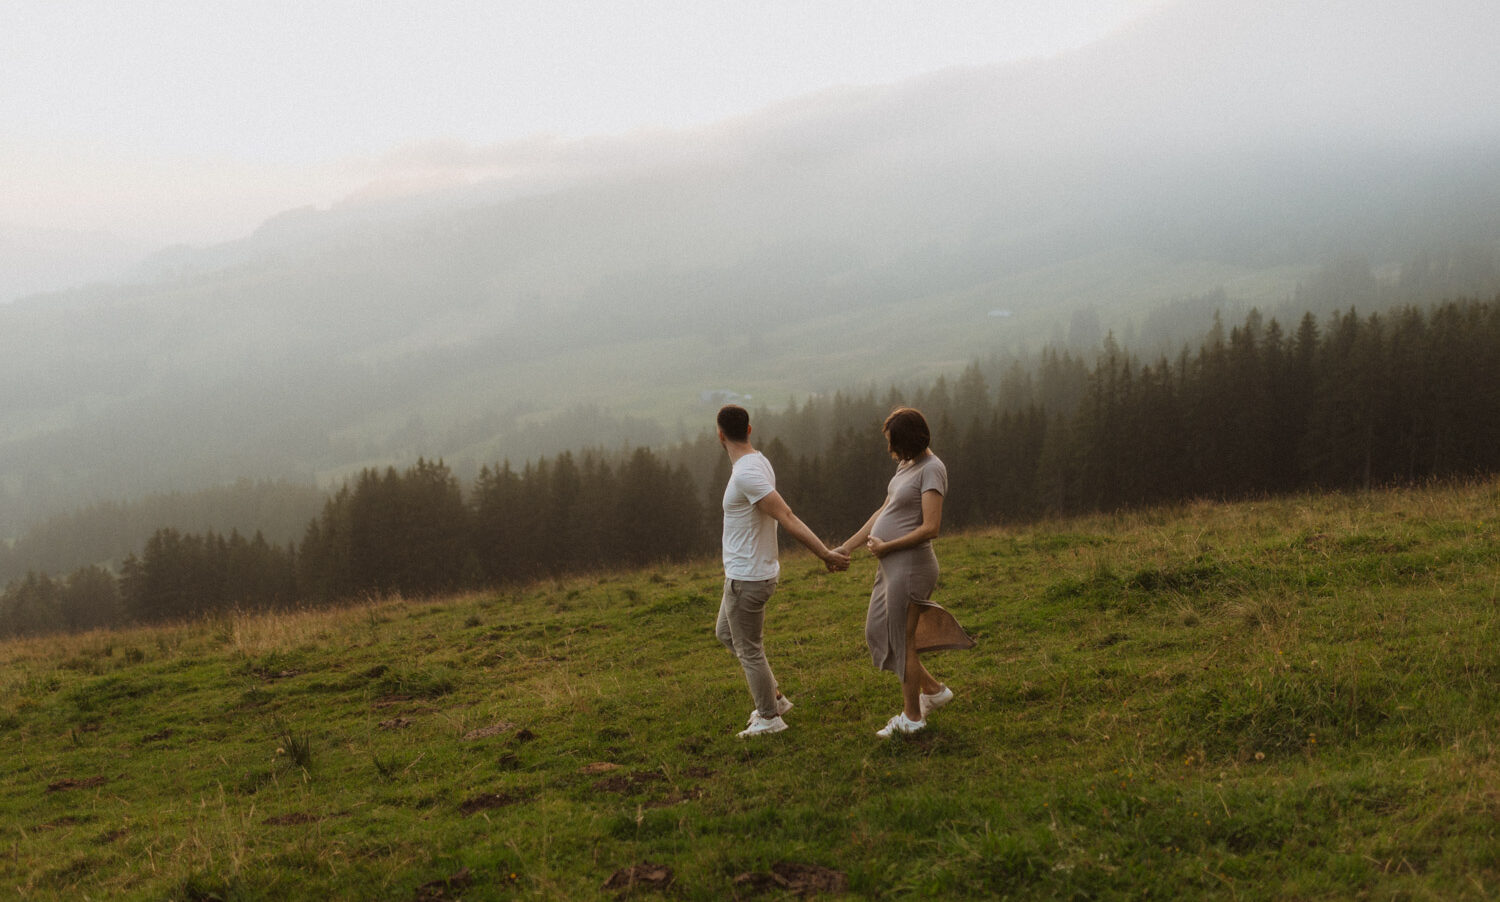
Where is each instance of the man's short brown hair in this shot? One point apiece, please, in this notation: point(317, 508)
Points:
point(734, 422)
point(906, 429)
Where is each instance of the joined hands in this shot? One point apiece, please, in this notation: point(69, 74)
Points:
point(837, 560)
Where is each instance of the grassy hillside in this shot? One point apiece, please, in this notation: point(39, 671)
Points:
point(1286, 699)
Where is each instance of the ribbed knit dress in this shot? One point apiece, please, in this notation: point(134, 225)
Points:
point(908, 576)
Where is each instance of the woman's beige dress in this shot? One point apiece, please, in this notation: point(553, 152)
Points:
point(908, 576)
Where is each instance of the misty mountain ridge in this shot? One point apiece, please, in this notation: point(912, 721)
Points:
point(33, 261)
point(1259, 81)
point(858, 236)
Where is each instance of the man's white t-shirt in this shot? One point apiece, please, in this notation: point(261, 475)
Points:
point(749, 535)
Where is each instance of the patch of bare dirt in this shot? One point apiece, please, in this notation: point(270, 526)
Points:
point(644, 876)
point(627, 783)
point(70, 783)
point(496, 729)
point(487, 800)
point(789, 876)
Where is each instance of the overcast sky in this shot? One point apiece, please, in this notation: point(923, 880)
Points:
point(193, 121)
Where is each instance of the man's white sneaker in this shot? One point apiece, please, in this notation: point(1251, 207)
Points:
point(936, 700)
point(783, 705)
point(900, 724)
point(759, 725)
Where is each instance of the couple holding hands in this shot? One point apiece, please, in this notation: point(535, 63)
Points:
point(902, 620)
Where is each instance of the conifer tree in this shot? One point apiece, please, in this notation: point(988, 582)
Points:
point(31, 607)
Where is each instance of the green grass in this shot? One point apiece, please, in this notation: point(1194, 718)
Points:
point(1284, 699)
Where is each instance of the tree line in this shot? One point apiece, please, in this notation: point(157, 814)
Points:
point(1354, 402)
point(409, 532)
point(109, 530)
point(1351, 402)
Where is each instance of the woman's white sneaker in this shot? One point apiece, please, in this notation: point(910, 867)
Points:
point(936, 700)
point(900, 724)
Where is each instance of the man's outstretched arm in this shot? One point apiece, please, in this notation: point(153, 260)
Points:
point(775, 507)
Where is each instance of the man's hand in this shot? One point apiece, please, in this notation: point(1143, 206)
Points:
point(775, 507)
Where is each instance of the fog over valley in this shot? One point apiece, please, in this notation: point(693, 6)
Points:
point(604, 291)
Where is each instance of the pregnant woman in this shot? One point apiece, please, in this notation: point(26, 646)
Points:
point(903, 621)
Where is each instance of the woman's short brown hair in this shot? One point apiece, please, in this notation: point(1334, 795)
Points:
point(906, 429)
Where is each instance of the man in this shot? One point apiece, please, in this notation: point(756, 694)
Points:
point(752, 510)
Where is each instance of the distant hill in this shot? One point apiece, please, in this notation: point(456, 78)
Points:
point(33, 261)
point(1224, 150)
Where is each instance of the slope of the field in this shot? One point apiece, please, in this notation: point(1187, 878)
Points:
point(1284, 699)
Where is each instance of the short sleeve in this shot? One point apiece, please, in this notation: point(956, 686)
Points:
point(754, 483)
point(935, 478)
